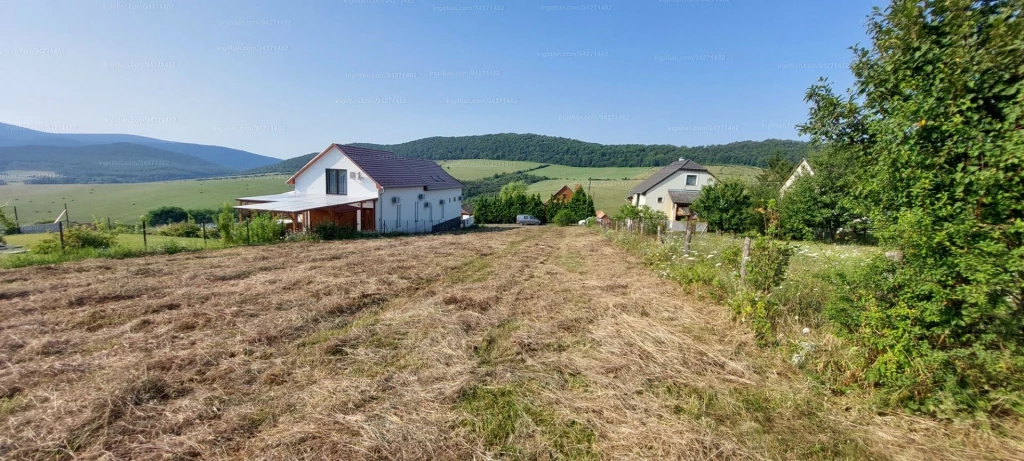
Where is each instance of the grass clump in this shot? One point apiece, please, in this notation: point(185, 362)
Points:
point(509, 423)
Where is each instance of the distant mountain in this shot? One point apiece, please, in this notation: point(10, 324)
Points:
point(232, 159)
point(565, 151)
point(104, 163)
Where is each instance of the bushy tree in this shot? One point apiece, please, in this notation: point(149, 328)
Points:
point(725, 206)
point(166, 215)
point(817, 206)
point(7, 225)
point(503, 209)
point(226, 224)
point(935, 123)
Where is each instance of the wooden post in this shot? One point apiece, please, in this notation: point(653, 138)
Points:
point(60, 228)
point(659, 235)
point(145, 245)
point(66, 215)
point(204, 235)
point(248, 240)
point(743, 261)
point(110, 228)
point(689, 237)
point(16, 223)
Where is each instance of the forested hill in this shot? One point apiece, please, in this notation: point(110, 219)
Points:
point(572, 152)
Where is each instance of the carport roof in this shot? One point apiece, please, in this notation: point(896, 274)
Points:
point(292, 202)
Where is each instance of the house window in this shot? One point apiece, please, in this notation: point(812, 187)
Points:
point(691, 180)
point(337, 182)
point(661, 199)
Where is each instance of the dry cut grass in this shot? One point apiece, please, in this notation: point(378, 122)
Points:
point(539, 343)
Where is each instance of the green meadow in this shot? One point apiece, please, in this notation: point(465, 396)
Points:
point(126, 202)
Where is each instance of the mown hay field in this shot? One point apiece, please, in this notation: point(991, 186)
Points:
point(537, 343)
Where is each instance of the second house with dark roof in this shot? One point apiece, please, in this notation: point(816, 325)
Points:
point(673, 189)
point(367, 190)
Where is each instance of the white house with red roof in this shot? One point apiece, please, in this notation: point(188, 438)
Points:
point(368, 190)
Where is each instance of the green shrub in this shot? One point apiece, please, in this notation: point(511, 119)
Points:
point(260, 229)
point(564, 218)
point(181, 229)
point(166, 215)
point(173, 247)
point(769, 261)
point(330, 230)
point(226, 224)
point(7, 225)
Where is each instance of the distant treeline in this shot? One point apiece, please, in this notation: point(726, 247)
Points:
point(571, 152)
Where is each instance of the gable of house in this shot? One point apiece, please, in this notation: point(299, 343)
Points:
point(370, 167)
point(682, 166)
point(803, 169)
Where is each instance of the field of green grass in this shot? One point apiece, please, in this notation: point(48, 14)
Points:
point(580, 175)
point(609, 195)
point(743, 173)
point(125, 240)
point(468, 170)
point(126, 202)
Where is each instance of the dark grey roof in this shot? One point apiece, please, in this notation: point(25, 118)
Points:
point(390, 170)
point(685, 197)
point(664, 173)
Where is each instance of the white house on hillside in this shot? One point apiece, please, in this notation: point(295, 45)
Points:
point(673, 190)
point(803, 169)
point(369, 190)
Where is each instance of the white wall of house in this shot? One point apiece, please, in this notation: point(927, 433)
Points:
point(410, 214)
point(678, 181)
point(802, 169)
point(314, 179)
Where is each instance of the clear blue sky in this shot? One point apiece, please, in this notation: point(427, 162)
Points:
point(284, 78)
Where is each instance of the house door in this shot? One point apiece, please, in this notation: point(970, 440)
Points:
point(368, 221)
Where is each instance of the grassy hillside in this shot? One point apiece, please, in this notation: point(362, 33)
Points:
point(126, 202)
point(571, 152)
point(468, 170)
point(519, 343)
point(106, 163)
point(609, 195)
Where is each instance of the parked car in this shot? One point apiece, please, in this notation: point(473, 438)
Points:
point(527, 220)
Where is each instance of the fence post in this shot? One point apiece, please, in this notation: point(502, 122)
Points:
point(145, 244)
point(659, 235)
point(743, 261)
point(110, 228)
point(16, 223)
point(689, 237)
point(60, 228)
point(248, 240)
point(204, 235)
point(66, 215)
